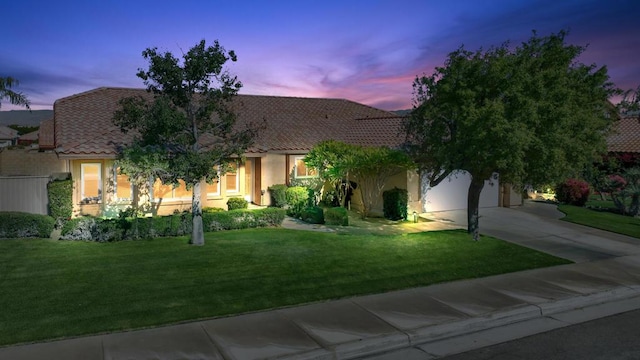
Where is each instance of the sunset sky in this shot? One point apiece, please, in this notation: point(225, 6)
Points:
point(363, 50)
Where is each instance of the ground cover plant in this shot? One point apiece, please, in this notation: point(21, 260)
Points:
point(52, 289)
point(601, 218)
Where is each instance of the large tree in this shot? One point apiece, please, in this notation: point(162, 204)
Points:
point(532, 114)
point(190, 121)
point(14, 97)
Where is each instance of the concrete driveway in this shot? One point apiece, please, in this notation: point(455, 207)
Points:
point(536, 225)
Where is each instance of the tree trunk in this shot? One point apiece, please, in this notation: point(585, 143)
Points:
point(197, 235)
point(473, 204)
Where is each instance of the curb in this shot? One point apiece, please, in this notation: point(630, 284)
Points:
point(497, 327)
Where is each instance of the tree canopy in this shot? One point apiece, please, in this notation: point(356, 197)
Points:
point(340, 163)
point(189, 127)
point(14, 97)
point(531, 113)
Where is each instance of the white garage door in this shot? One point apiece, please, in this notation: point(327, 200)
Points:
point(451, 193)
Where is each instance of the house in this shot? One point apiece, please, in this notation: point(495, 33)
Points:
point(8, 136)
point(624, 142)
point(82, 134)
point(28, 138)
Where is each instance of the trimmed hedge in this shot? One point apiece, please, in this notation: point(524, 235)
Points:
point(14, 224)
point(107, 230)
point(395, 204)
point(237, 203)
point(278, 195)
point(313, 215)
point(336, 216)
point(297, 200)
point(60, 199)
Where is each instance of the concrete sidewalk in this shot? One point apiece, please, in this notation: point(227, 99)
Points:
point(420, 323)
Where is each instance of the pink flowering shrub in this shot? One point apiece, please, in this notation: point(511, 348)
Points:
point(573, 192)
point(615, 183)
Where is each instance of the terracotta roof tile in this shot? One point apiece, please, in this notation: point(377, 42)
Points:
point(626, 136)
point(83, 122)
point(45, 135)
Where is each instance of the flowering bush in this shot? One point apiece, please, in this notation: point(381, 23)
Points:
point(616, 183)
point(573, 192)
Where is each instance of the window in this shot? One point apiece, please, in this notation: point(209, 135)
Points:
point(302, 170)
point(123, 188)
point(91, 183)
point(233, 180)
point(167, 191)
point(213, 189)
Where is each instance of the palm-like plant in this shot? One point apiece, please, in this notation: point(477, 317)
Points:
point(627, 200)
point(14, 97)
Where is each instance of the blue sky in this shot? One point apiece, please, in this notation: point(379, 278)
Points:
point(363, 50)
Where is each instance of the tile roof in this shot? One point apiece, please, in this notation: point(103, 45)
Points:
point(83, 122)
point(626, 135)
point(8, 133)
point(45, 135)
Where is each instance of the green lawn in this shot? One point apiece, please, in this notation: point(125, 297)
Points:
point(604, 220)
point(52, 289)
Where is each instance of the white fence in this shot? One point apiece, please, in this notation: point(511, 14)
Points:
point(24, 193)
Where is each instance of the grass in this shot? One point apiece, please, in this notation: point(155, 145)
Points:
point(53, 289)
point(603, 220)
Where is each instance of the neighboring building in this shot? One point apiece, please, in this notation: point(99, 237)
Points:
point(28, 138)
point(8, 136)
point(624, 142)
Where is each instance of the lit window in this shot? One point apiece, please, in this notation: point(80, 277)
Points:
point(167, 191)
point(181, 192)
point(302, 170)
point(213, 189)
point(123, 185)
point(233, 180)
point(91, 182)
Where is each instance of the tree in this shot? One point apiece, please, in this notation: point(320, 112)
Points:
point(333, 160)
point(189, 123)
point(372, 168)
point(339, 163)
point(15, 98)
point(630, 102)
point(532, 114)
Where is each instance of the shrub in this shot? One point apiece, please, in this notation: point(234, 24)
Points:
point(313, 215)
point(395, 204)
point(243, 219)
point(212, 209)
point(573, 192)
point(278, 195)
point(60, 200)
point(14, 224)
point(330, 198)
point(80, 228)
point(237, 203)
point(103, 230)
point(297, 197)
point(336, 216)
point(270, 216)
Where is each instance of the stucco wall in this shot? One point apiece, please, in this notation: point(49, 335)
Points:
point(451, 193)
point(273, 172)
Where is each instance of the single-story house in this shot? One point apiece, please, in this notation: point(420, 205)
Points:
point(82, 134)
point(8, 136)
point(28, 138)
